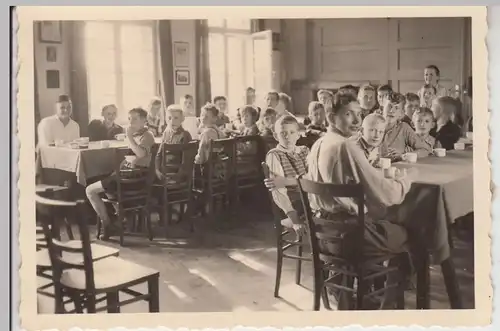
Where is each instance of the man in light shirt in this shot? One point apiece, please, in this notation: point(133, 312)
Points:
point(59, 127)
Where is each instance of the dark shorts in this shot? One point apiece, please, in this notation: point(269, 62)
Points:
point(110, 183)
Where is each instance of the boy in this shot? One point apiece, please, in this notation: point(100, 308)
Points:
point(427, 95)
point(221, 103)
point(348, 89)
point(373, 129)
point(399, 136)
point(187, 103)
point(317, 124)
point(140, 141)
point(446, 131)
point(423, 121)
point(411, 106)
point(289, 161)
point(272, 99)
point(266, 123)
point(383, 93)
point(367, 99)
point(173, 134)
point(209, 132)
point(249, 117)
point(284, 105)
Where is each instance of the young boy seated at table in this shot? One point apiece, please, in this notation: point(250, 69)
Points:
point(383, 93)
point(209, 131)
point(423, 121)
point(372, 134)
point(174, 134)
point(140, 141)
point(288, 160)
point(249, 117)
point(447, 132)
point(399, 137)
point(411, 106)
point(317, 126)
point(427, 95)
point(266, 123)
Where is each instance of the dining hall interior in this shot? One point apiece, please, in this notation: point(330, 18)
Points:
point(174, 172)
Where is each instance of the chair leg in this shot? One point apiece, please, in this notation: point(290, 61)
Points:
point(423, 282)
point(451, 283)
point(121, 226)
point(279, 267)
point(298, 269)
point(154, 295)
point(318, 289)
point(189, 213)
point(113, 302)
point(147, 216)
point(361, 292)
point(324, 293)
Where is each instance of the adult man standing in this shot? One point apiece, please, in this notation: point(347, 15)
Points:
point(59, 127)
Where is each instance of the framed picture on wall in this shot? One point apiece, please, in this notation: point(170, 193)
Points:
point(182, 77)
point(181, 54)
point(50, 32)
point(52, 79)
point(51, 54)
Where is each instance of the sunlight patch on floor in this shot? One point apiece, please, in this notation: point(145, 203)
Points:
point(251, 263)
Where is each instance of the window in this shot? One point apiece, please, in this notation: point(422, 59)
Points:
point(228, 51)
point(121, 65)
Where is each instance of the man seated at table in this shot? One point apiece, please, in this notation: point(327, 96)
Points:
point(59, 127)
point(140, 141)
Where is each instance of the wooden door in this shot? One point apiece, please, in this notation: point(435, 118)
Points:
point(415, 43)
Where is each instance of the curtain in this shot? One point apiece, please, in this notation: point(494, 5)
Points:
point(166, 81)
point(203, 89)
point(78, 75)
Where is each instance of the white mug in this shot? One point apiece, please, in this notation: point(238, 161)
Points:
point(459, 146)
point(385, 163)
point(440, 152)
point(120, 136)
point(411, 157)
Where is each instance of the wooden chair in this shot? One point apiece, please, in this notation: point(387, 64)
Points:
point(177, 185)
point(86, 282)
point(249, 154)
point(345, 258)
point(215, 179)
point(132, 205)
point(284, 244)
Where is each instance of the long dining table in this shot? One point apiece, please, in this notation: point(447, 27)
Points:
point(442, 193)
point(86, 163)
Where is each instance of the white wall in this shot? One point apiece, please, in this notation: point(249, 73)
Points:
point(48, 97)
point(184, 31)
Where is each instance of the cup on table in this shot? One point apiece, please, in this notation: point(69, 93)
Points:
point(385, 163)
point(59, 143)
point(83, 140)
point(74, 145)
point(440, 152)
point(120, 136)
point(459, 146)
point(410, 157)
point(390, 172)
point(469, 135)
point(105, 143)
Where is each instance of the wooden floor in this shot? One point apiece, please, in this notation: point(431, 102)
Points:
point(231, 268)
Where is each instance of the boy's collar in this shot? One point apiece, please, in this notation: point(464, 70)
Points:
point(140, 132)
point(365, 144)
point(287, 150)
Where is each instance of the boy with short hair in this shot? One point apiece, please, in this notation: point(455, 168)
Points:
point(412, 105)
point(209, 132)
point(284, 105)
point(423, 121)
point(349, 89)
point(174, 134)
point(367, 99)
point(427, 95)
point(383, 92)
point(399, 137)
point(317, 124)
point(221, 103)
point(288, 160)
point(249, 117)
point(140, 141)
point(187, 103)
point(373, 129)
point(266, 123)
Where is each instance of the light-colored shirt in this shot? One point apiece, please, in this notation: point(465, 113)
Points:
point(280, 196)
point(402, 138)
point(51, 129)
point(337, 159)
point(372, 153)
point(145, 139)
point(441, 91)
point(207, 134)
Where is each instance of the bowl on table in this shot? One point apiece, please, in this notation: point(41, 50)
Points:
point(440, 152)
point(410, 157)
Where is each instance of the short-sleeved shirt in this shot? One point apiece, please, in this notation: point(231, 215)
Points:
point(52, 129)
point(145, 139)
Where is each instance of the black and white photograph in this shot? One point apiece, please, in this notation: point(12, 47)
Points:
point(244, 165)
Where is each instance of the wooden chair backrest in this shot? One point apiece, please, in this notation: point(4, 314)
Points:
point(183, 171)
point(321, 229)
point(221, 158)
